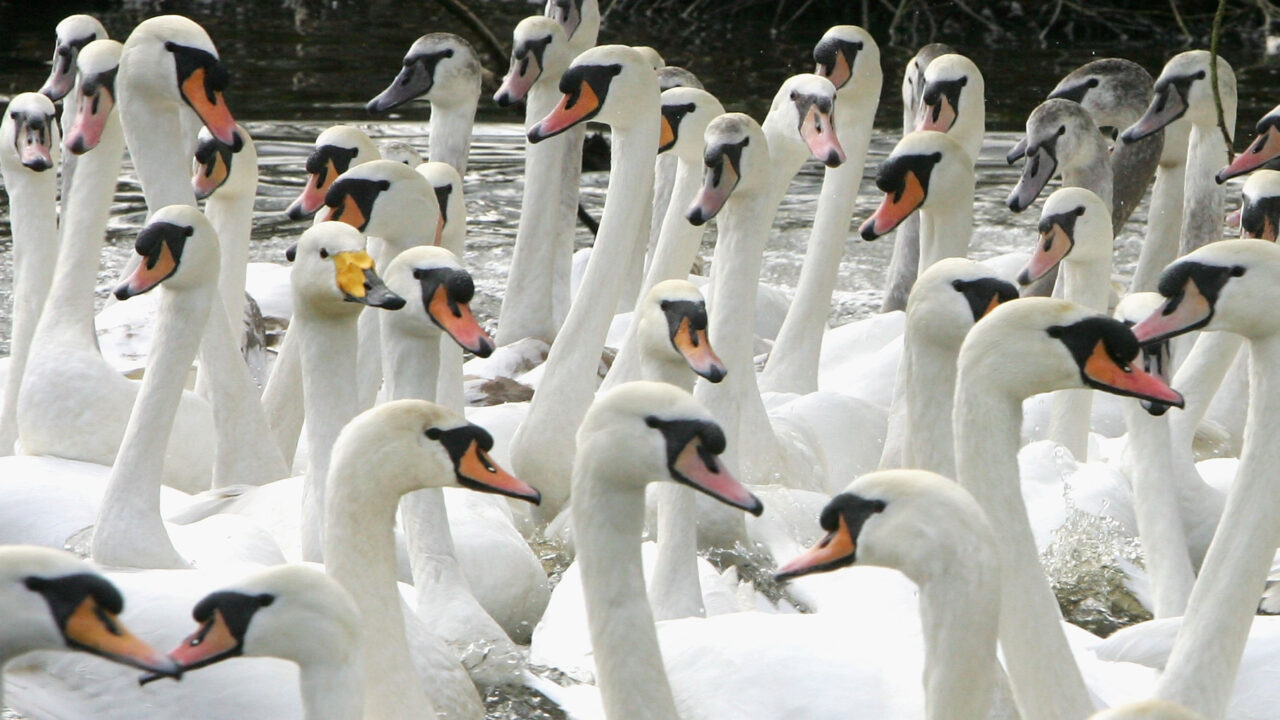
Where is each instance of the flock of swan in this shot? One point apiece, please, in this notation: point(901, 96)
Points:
point(345, 541)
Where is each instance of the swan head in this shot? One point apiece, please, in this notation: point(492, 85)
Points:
point(437, 292)
point(924, 168)
point(1114, 91)
point(1157, 357)
point(1060, 133)
point(29, 132)
point(1259, 215)
point(1059, 346)
point(179, 248)
point(332, 273)
point(849, 57)
point(737, 159)
point(949, 297)
point(612, 84)
point(914, 521)
point(953, 99)
point(451, 227)
point(1147, 710)
point(1074, 222)
point(414, 444)
point(1226, 285)
point(385, 199)
point(440, 66)
point(1184, 89)
point(98, 62)
point(673, 328)
point(171, 60)
point(230, 169)
point(56, 601)
point(686, 113)
point(338, 149)
point(73, 33)
point(580, 20)
point(654, 431)
point(539, 48)
point(290, 611)
point(913, 75)
point(1264, 148)
point(673, 76)
point(401, 152)
point(801, 121)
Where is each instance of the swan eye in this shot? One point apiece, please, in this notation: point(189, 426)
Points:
point(434, 433)
point(959, 286)
point(1062, 129)
point(1237, 271)
point(323, 253)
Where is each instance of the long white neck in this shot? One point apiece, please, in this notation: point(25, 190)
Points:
point(1198, 378)
point(450, 133)
point(1205, 199)
point(1149, 460)
point(1164, 218)
point(664, 184)
point(34, 225)
point(332, 691)
point(1202, 667)
point(945, 230)
point(528, 306)
point(569, 380)
point(607, 521)
point(793, 364)
point(1092, 170)
point(959, 611)
point(1089, 284)
point(329, 396)
point(232, 217)
point(1046, 681)
point(69, 320)
point(359, 549)
point(129, 531)
point(282, 397)
point(928, 383)
point(161, 151)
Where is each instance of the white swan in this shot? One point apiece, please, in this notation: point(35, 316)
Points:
point(73, 33)
point(848, 56)
point(1259, 214)
point(451, 234)
point(338, 149)
point(1262, 149)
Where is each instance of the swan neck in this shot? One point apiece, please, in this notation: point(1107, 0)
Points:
point(678, 239)
point(450, 133)
point(161, 150)
point(1205, 199)
point(959, 611)
point(928, 381)
point(332, 691)
point(232, 218)
point(945, 230)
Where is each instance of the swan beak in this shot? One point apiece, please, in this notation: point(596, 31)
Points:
point(211, 643)
point(1263, 149)
point(153, 270)
point(1167, 106)
point(209, 105)
point(820, 135)
point(895, 207)
point(1054, 245)
point(667, 136)
point(838, 72)
point(938, 117)
point(91, 118)
point(63, 75)
point(1035, 175)
point(515, 86)
point(348, 211)
point(696, 349)
point(1017, 152)
point(95, 629)
point(573, 109)
point(209, 175)
point(698, 467)
point(717, 186)
point(1186, 311)
point(1233, 218)
point(312, 197)
point(1102, 372)
point(836, 550)
point(33, 143)
point(457, 319)
point(359, 283)
point(476, 470)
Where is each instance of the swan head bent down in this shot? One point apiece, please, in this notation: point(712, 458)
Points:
point(385, 199)
point(98, 63)
point(437, 292)
point(73, 33)
point(1229, 285)
point(441, 66)
point(338, 149)
point(178, 248)
point(925, 169)
point(170, 61)
point(605, 84)
point(29, 133)
point(1036, 345)
point(56, 601)
point(686, 113)
point(1184, 89)
point(1074, 221)
point(539, 47)
point(230, 170)
point(1059, 133)
point(737, 159)
point(949, 297)
point(333, 275)
point(673, 328)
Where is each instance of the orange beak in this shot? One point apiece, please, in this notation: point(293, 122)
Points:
point(1101, 370)
point(457, 319)
point(895, 208)
point(479, 472)
point(568, 113)
point(94, 629)
point(696, 349)
point(210, 106)
point(836, 550)
point(1054, 245)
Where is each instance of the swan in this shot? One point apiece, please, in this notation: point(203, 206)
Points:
point(30, 140)
point(1264, 148)
point(1060, 345)
point(934, 532)
point(73, 33)
point(580, 20)
point(612, 84)
point(933, 172)
point(670, 77)
point(686, 112)
point(337, 149)
point(1260, 213)
point(444, 68)
point(451, 234)
point(945, 301)
point(1075, 231)
point(848, 56)
point(906, 244)
point(56, 601)
point(1220, 287)
point(1061, 138)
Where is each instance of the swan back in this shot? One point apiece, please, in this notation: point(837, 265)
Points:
point(1148, 710)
